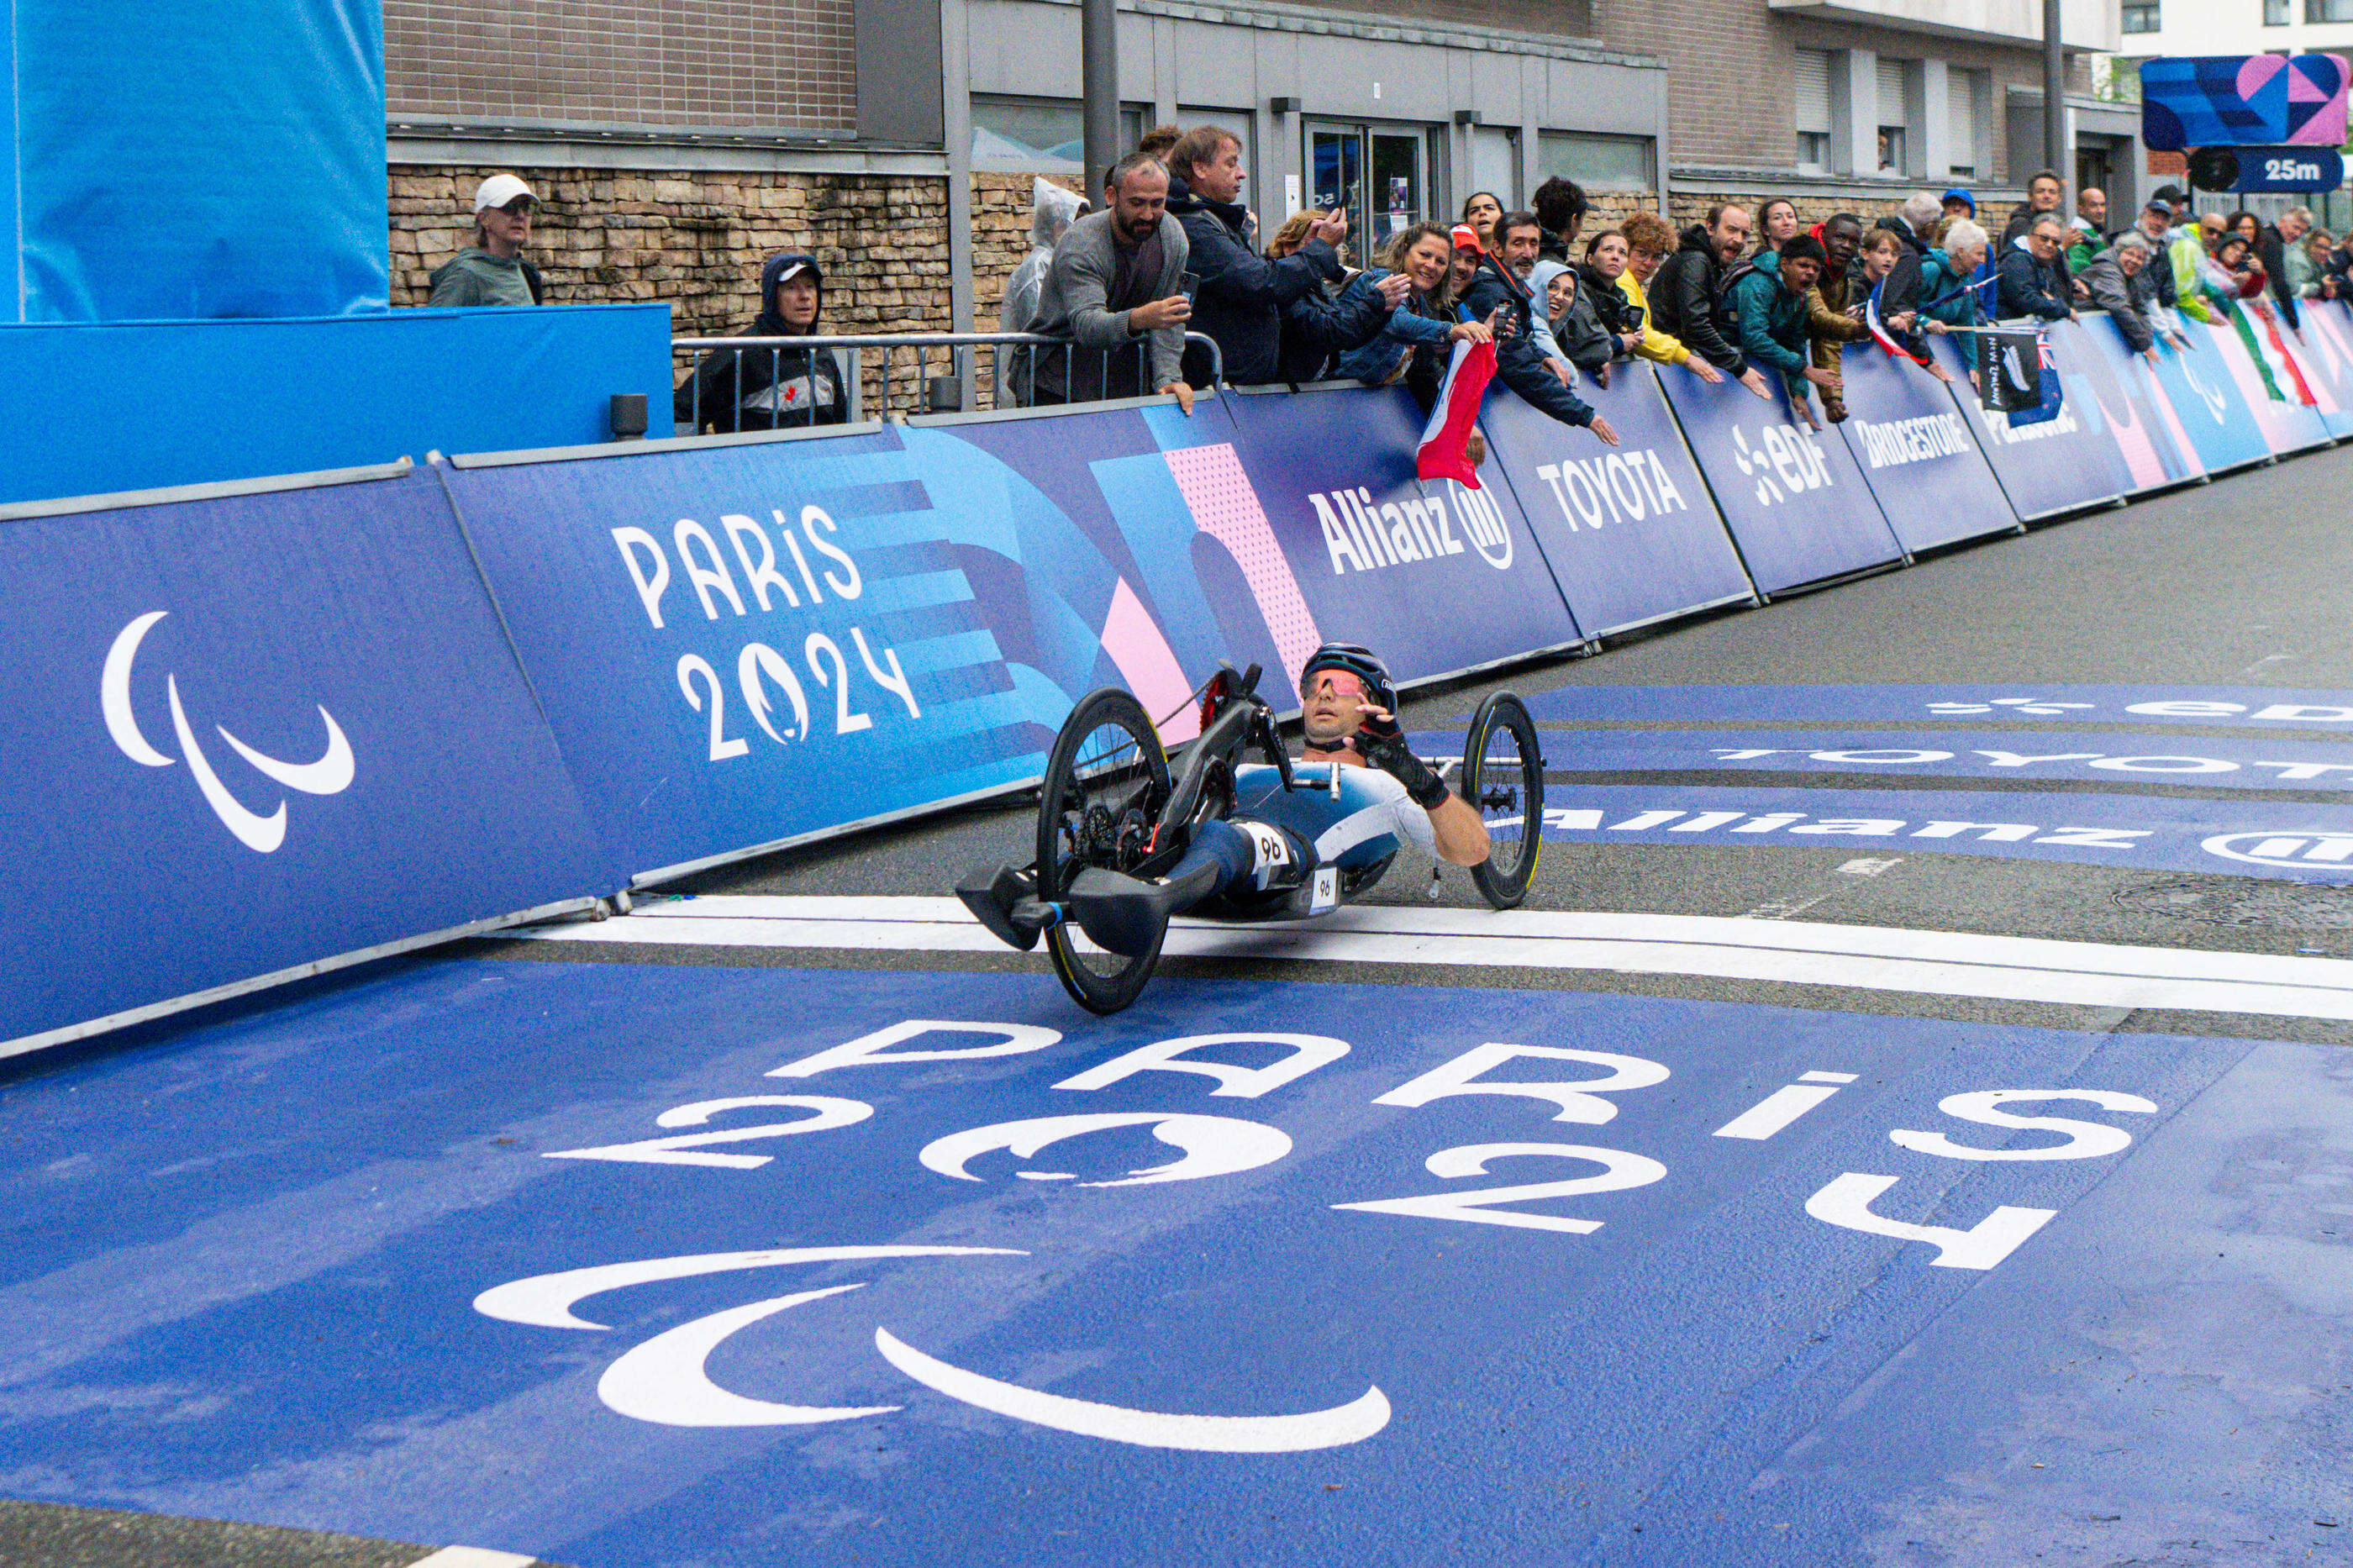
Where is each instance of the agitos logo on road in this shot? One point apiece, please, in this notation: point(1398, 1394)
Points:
point(331, 774)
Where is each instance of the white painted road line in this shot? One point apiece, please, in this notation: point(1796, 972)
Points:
point(1871, 958)
point(473, 1557)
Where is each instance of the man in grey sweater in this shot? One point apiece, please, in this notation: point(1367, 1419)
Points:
point(1115, 285)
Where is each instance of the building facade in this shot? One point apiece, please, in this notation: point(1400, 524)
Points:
point(899, 140)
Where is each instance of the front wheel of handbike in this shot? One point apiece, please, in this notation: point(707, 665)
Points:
point(1107, 781)
point(1503, 778)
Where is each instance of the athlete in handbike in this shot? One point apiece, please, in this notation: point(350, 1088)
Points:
point(1122, 849)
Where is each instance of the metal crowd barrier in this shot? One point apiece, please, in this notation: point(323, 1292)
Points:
point(944, 374)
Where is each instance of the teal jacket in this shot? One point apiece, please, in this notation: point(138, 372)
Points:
point(1772, 320)
point(1937, 279)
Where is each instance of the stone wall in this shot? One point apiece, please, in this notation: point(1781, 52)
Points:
point(696, 241)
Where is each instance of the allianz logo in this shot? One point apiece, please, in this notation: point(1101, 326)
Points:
point(1797, 824)
point(1366, 535)
point(2317, 849)
point(1621, 487)
point(1921, 439)
point(1786, 462)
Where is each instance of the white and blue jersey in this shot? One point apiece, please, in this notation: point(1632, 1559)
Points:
point(1366, 822)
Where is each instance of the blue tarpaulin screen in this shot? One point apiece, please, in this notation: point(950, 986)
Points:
point(207, 161)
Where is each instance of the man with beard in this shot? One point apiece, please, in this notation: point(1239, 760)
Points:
point(1686, 294)
point(1115, 285)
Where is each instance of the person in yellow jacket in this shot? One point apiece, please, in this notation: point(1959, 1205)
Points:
point(1648, 241)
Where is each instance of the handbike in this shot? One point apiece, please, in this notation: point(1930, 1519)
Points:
point(1109, 803)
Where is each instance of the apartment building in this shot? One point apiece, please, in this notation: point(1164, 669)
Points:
point(900, 139)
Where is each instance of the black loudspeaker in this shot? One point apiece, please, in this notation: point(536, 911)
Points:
point(2214, 169)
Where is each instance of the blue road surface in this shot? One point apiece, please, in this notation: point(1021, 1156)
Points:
point(295, 1268)
point(2258, 762)
point(2253, 839)
point(2231, 706)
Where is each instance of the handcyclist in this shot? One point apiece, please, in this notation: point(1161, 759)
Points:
point(1377, 796)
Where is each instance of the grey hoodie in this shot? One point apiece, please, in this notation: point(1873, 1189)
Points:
point(1072, 302)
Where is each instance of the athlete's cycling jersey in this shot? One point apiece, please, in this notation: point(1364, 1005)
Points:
point(1364, 824)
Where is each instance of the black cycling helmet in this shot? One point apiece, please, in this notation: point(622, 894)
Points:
point(1357, 660)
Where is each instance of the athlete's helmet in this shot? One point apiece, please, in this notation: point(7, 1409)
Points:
point(1360, 661)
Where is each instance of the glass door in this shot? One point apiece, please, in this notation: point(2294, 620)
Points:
point(1379, 175)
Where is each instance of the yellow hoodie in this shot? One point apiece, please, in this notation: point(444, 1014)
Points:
point(1656, 344)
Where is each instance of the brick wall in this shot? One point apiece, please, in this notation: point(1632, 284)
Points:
point(773, 63)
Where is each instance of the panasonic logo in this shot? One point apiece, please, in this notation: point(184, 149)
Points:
point(1366, 535)
point(1896, 442)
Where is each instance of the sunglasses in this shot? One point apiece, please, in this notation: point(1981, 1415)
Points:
point(521, 206)
point(1342, 683)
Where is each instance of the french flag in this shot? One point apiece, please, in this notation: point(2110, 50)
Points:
point(1453, 418)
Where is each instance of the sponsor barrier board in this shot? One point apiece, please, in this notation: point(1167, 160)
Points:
point(2057, 466)
point(2195, 383)
point(1909, 441)
point(1792, 495)
point(1631, 531)
point(2156, 451)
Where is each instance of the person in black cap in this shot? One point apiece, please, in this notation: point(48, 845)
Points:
point(782, 387)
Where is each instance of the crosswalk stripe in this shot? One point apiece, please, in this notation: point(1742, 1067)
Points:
point(1871, 958)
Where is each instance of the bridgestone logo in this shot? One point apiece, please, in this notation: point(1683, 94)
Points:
point(1920, 440)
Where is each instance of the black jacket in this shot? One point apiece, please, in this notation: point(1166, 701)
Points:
point(783, 388)
point(1618, 314)
point(1239, 302)
point(2028, 286)
point(1687, 302)
point(1519, 363)
point(1323, 323)
point(2273, 248)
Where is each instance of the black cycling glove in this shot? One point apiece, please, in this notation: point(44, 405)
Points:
point(1383, 745)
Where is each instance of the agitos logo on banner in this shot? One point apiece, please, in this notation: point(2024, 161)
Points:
point(331, 774)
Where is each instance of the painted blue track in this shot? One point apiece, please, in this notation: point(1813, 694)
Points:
point(240, 1266)
point(2233, 707)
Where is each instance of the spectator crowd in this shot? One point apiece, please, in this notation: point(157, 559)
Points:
point(1164, 286)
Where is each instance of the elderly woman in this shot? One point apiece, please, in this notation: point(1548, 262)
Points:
point(1950, 298)
point(2108, 277)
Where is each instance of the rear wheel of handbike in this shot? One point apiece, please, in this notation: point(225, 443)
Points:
point(1106, 780)
point(1503, 778)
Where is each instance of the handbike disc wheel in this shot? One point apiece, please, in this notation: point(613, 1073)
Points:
point(1503, 778)
point(1106, 780)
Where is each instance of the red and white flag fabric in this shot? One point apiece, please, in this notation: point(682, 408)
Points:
point(1454, 415)
point(1879, 333)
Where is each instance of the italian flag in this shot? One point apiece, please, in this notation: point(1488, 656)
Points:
point(2259, 330)
point(1454, 415)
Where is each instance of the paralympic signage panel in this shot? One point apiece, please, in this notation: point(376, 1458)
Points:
point(1631, 531)
point(2195, 385)
point(742, 644)
point(2242, 101)
point(2287, 427)
point(1905, 436)
point(1792, 497)
point(255, 732)
point(2155, 448)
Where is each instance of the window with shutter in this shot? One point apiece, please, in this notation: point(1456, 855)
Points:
point(1892, 75)
point(1812, 90)
point(1961, 103)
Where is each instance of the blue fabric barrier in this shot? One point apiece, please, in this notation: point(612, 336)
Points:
point(1910, 441)
point(95, 409)
point(1792, 497)
point(2287, 427)
point(2195, 386)
point(2156, 451)
point(2320, 351)
point(204, 161)
point(1631, 532)
point(257, 733)
point(2059, 465)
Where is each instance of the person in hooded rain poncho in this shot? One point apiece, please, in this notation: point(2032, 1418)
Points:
point(779, 388)
point(1052, 211)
